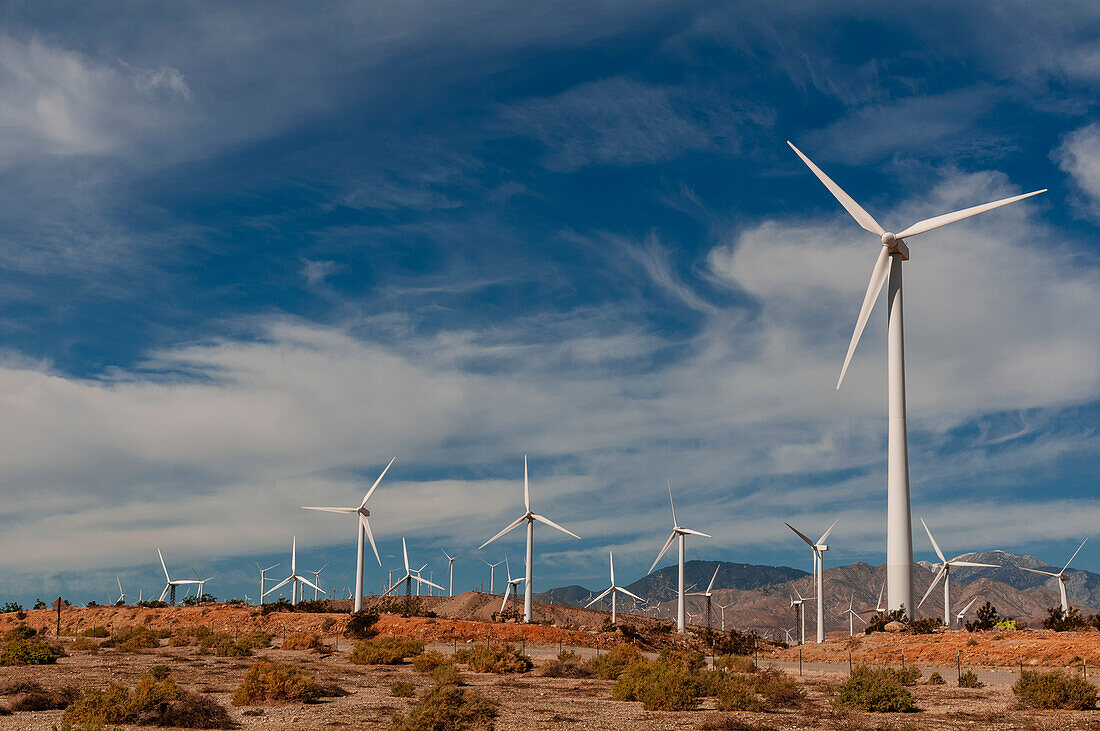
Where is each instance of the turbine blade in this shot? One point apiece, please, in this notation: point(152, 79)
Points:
point(372, 487)
point(405, 554)
point(166, 576)
point(308, 583)
point(960, 614)
point(670, 502)
point(930, 224)
point(1073, 556)
point(934, 544)
point(511, 526)
point(429, 583)
point(1040, 571)
point(689, 531)
point(331, 510)
point(370, 536)
point(628, 593)
point(801, 535)
point(863, 218)
point(610, 555)
point(825, 535)
point(280, 585)
point(552, 524)
point(526, 487)
point(932, 586)
point(601, 596)
point(668, 543)
point(874, 286)
point(974, 565)
point(711, 584)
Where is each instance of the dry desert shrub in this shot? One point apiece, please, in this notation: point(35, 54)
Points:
point(566, 665)
point(969, 680)
point(447, 675)
point(448, 707)
point(1055, 690)
point(30, 651)
point(133, 639)
point(303, 641)
point(403, 690)
point(659, 686)
point(84, 644)
point(429, 661)
point(276, 683)
point(874, 689)
point(384, 651)
point(767, 690)
point(611, 664)
point(151, 702)
point(98, 631)
point(499, 659)
point(188, 636)
point(256, 640)
point(735, 664)
point(33, 697)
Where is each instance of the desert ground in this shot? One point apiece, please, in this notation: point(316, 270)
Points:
point(529, 700)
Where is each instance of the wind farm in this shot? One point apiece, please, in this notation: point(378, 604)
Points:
point(251, 253)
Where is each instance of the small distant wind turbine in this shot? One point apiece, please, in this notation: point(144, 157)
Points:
point(410, 575)
point(612, 590)
point(170, 585)
point(202, 585)
point(263, 578)
point(707, 593)
point(1061, 576)
point(899, 530)
point(492, 575)
point(362, 530)
point(121, 593)
point(295, 580)
point(819, 548)
point(723, 608)
point(529, 518)
point(451, 572)
point(513, 584)
point(678, 533)
point(317, 579)
point(879, 608)
point(960, 615)
point(851, 612)
point(801, 604)
point(945, 574)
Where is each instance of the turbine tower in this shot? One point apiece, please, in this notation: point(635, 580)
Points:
point(170, 585)
point(450, 572)
point(612, 591)
point(945, 574)
point(1061, 576)
point(530, 519)
point(121, 593)
point(263, 578)
point(678, 533)
point(801, 604)
point(899, 526)
point(492, 575)
point(708, 594)
point(819, 550)
point(295, 580)
point(362, 529)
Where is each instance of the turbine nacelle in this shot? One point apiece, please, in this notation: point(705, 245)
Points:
point(895, 245)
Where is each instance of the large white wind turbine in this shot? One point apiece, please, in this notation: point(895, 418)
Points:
point(945, 574)
point(819, 549)
point(1061, 576)
point(170, 584)
point(530, 519)
point(295, 580)
point(612, 590)
point(410, 576)
point(899, 527)
point(450, 572)
point(678, 533)
point(362, 529)
point(707, 594)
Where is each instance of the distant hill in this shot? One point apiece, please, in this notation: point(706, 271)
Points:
point(661, 584)
point(575, 596)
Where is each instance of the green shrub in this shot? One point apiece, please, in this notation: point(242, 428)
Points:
point(152, 702)
point(874, 689)
point(402, 690)
point(660, 686)
point(428, 661)
point(925, 626)
point(1054, 689)
point(778, 689)
point(98, 631)
point(30, 651)
point(384, 651)
point(256, 640)
point(448, 707)
point(303, 641)
point(19, 632)
point(611, 664)
point(159, 672)
point(133, 639)
point(969, 680)
point(1007, 625)
point(985, 618)
point(1061, 620)
point(229, 648)
point(935, 679)
point(497, 659)
point(276, 683)
point(446, 675)
point(735, 664)
point(361, 625)
point(188, 636)
point(907, 674)
point(738, 693)
point(84, 644)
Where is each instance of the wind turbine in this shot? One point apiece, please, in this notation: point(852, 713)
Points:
point(960, 615)
point(707, 593)
point(819, 549)
point(723, 608)
point(170, 585)
point(612, 590)
point(512, 585)
point(678, 533)
point(121, 593)
point(317, 579)
point(851, 612)
point(450, 572)
point(801, 604)
point(945, 574)
point(363, 529)
point(492, 577)
point(295, 580)
point(410, 575)
point(1061, 576)
point(202, 584)
point(263, 578)
point(899, 527)
point(530, 519)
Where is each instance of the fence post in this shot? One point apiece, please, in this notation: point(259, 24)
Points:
point(958, 666)
point(849, 662)
point(800, 662)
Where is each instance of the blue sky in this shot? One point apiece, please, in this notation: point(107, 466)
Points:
point(250, 252)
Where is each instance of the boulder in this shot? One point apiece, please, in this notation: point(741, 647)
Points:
point(894, 627)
